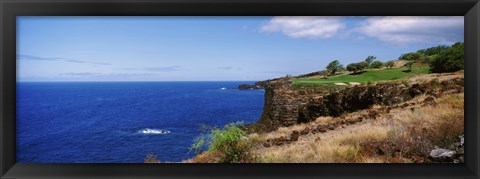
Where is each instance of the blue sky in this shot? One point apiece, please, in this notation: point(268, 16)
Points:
point(214, 48)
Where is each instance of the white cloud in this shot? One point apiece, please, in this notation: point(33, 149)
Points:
point(402, 30)
point(305, 26)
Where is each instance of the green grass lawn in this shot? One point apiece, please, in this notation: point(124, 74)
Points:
point(368, 76)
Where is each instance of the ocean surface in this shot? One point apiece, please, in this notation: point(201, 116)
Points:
point(121, 122)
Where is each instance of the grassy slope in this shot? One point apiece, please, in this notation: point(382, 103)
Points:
point(368, 76)
point(342, 145)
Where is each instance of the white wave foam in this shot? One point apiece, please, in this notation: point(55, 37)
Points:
point(223, 88)
point(154, 131)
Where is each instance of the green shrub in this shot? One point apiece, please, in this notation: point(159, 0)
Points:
point(228, 143)
point(449, 60)
point(409, 66)
point(352, 67)
point(433, 50)
point(410, 56)
point(389, 64)
point(376, 64)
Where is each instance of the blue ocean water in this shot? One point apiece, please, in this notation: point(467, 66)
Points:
point(103, 122)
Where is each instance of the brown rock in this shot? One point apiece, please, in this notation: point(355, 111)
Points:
point(266, 145)
point(294, 136)
point(352, 121)
point(322, 130)
point(372, 114)
point(359, 120)
point(388, 109)
point(331, 127)
point(305, 131)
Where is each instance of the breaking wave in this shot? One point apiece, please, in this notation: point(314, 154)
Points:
point(154, 131)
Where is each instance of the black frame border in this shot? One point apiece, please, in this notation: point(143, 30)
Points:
point(9, 9)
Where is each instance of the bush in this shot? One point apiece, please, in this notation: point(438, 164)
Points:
point(409, 65)
point(356, 67)
point(449, 60)
point(410, 56)
point(389, 64)
point(433, 50)
point(229, 144)
point(352, 67)
point(376, 64)
point(362, 66)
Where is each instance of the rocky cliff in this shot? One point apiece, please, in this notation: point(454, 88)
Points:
point(286, 105)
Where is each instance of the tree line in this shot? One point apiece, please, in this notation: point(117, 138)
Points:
point(357, 67)
point(440, 59)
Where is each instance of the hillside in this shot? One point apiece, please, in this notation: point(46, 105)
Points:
point(403, 133)
point(405, 111)
point(394, 122)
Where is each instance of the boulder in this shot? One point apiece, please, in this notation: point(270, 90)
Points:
point(442, 155)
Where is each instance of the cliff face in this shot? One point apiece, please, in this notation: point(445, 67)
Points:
point(286, 105)
point(282, 103)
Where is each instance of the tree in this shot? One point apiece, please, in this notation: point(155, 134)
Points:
point(433, 50)
point(424, 58)
point(389, 64)
point(449, 60)
point(376, 64)
point(352, 67)
point(410, 56)
point(362, 66)
point(369, 59)
point(334, 66)
point(409, 65)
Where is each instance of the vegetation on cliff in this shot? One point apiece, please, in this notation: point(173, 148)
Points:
point(440, 58)
point(225, 145)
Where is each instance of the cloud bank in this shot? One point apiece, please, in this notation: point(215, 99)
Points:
point(305, 26)
point(412, 29)
point(32, 57)
point(399, 30)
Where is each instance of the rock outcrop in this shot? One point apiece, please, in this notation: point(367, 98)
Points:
point(257, 85)
point(286, 105)
point(455, 153)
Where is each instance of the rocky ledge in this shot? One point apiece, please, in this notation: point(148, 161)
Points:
point(286, 105)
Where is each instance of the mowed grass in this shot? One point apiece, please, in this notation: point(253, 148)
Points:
point(368, 76)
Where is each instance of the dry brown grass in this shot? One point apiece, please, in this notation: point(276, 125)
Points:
point(439, 125)
point(337, 146)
